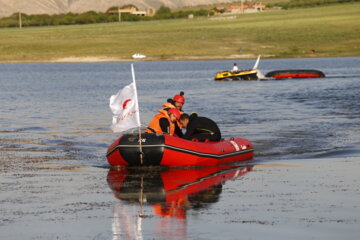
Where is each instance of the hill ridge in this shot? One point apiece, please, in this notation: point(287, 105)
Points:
point(8, 7)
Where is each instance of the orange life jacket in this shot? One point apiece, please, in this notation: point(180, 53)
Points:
point(154, 126)
point(169, 105)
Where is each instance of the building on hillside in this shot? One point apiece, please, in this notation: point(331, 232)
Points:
point(220, 8)
point(244, 8)
point(134, 11)
point(259, 7)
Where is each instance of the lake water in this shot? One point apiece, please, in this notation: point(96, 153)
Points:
point(303, 182)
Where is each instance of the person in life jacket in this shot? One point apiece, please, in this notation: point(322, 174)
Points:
point(164, 122)
point(200, 128)
point(177, 102)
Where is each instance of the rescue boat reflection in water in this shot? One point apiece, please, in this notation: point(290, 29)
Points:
point(171, 192)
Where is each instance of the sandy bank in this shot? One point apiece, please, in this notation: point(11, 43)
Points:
point(93, 59)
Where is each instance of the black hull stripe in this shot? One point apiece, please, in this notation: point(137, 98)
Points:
point(209, 155)
point(200, 154)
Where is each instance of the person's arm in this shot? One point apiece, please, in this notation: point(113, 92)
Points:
point(178, 131)
point(165, 125)
point(190, 131)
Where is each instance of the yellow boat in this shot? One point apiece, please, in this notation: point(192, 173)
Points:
point(252, 74)
point(238, 75)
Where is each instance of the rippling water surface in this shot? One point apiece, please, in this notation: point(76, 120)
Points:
point(56, 116)
point(63, 108)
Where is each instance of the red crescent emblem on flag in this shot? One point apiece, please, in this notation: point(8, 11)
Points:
point(125, 103)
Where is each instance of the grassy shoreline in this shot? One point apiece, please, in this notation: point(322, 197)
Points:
point(328, 31)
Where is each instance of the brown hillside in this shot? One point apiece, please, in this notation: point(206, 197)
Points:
point(8, 7)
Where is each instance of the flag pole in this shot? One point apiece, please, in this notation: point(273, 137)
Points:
point(141, 199)
point(140, 140)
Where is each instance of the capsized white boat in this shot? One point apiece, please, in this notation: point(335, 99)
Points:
point(138, 56)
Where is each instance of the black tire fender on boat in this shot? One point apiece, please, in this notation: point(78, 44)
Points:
point(152, 148)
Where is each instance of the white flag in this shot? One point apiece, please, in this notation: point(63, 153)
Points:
point(125, 108)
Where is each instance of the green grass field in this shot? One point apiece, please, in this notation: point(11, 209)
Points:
point(329, 31)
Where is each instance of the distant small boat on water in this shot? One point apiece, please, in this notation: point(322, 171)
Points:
point(295, 73)
point(240, 75)
point(251, 74)
point(138, 56)
point(255, 74)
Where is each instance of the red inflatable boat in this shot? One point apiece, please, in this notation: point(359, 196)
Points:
point(166, 150)
point(295, 73)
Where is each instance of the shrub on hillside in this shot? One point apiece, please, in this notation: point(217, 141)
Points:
point(93, 17)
